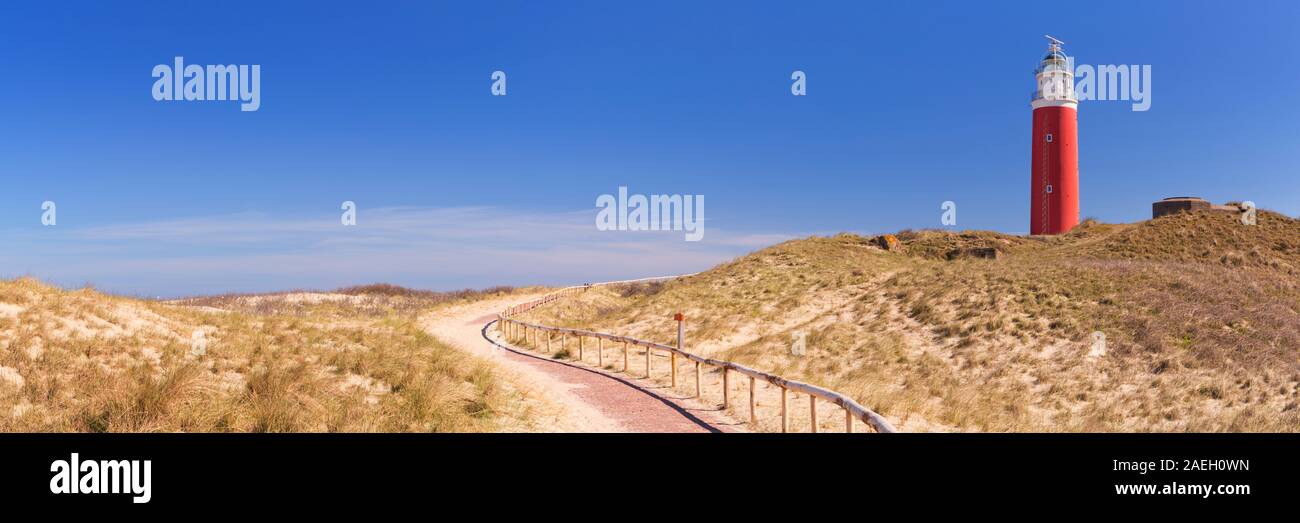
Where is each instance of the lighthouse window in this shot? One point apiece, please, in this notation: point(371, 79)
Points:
point(1049, 137)
point(1049, 189)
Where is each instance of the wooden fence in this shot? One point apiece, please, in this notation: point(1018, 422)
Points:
point(512, 329)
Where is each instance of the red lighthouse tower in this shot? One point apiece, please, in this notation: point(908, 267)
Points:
point(1054, 188)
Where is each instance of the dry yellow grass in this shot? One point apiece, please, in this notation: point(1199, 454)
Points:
point(1201, 318)
point(84, 361)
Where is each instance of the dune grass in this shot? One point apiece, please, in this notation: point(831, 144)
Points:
point(82, 361)
point(1200, 317)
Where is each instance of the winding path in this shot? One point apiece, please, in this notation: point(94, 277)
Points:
point(588, 399)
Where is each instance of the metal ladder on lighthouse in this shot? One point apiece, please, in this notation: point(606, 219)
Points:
point(1046, 181)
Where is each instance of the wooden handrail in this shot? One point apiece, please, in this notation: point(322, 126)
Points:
point(852, 408)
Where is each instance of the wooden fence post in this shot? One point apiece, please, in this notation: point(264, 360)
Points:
point(785, 410)
point(579, 347)
point(812, 411)
point(600, 352)
point(697, 380)
point(647, 362)
point(548, 342)
point(848, 421)
point(625, 357)
point(681, 340)
point(726, 389)
point(753, 416)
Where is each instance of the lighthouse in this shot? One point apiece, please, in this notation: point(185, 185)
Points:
point(1054, 186)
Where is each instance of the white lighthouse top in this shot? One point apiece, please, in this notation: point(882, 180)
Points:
point(1055, 76)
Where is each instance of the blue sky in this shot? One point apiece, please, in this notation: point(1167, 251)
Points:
point(388, 104)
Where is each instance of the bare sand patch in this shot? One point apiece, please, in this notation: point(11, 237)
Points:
point(553, 400)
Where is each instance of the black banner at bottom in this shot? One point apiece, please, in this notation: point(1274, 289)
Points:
point(539, 474)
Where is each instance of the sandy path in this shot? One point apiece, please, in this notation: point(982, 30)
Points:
point(585, 399)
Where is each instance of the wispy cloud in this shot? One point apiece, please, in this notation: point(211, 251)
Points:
point(425, 247)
